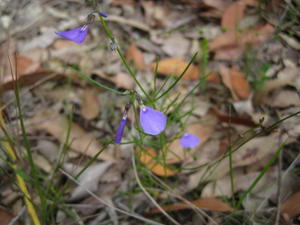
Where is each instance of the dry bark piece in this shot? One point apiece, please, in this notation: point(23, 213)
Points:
point(236, 82)
point(135, 55)
point(148, 157)
point(211, 204)
point(90, 106)
point(79, 140)
point(291, 207)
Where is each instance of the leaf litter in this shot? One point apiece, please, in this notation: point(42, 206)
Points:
point(233, 109)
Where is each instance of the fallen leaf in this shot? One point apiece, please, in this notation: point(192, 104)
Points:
point(89, 179)
point(135, 55)
point(250, 153)
point(79, 140)
point(219, 5)
point(211, 204)
point(235, 82)
point(5, 217)
point(175, 45)
point(203, 130)
point(229, 53)
point(227, 39)
point(27, 70)
point(234, 38)
point(175, 66)
point(156, 15)
point(242, 181)
point(253, 151)
point(60, 43)
point(149, 157)
point(282, 98)
point(121, 80)
point(291, 207)
point(90, 106)
point(233, 14)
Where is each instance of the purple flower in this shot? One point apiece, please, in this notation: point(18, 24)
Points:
point(103, 14)
point(189, 141)
point(120, 130)
point(77, 35)
point(152, 121)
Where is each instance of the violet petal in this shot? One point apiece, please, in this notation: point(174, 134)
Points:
point(120, 130)
point(77, 35)
point(189, 141)
point(152, 121)
point(103, 14)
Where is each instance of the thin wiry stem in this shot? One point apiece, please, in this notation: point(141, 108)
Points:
point(134, 215)
point(147, 194)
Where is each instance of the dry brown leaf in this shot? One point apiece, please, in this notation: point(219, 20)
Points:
point(291, 207)
point(235, 82)
point(251, 152)
point(227, 39)
point(5, 217)
point(233, 14)
point(220, 5)
point(233, 38)
point(242, 181)
point(60, 43)
point(135, 55)
point(90, 106)
point(28, 72)
point(212, 204)
point(121, 80)
point(148, 157)
point(229, 53)
point(79, 140)
point(176, 153)
point(175, 66)
point(282, 98)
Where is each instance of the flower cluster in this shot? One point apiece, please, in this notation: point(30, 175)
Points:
point(152, 121)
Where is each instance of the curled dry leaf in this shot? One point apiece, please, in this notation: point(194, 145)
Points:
point(211, 204)
point(236, 82)
point(135, 55)
point(90, 106)
point(203, 130)
point(149, 157)
point(291, 207)
point(79, 140)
